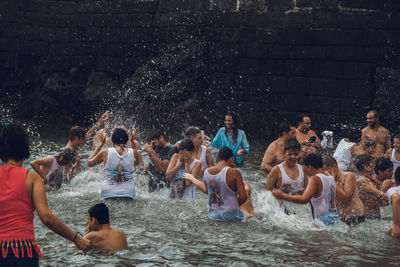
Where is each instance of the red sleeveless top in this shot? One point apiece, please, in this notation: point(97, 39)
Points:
point(16, 214)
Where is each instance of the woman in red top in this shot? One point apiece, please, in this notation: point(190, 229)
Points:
point(22, 192)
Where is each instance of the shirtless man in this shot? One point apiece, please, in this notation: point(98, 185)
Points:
point(99, 232)
point(377, 133)
point(321, 191)
point(350, 208)
point(200, 152)
point(394, 153)
point(274, 153)
point(367, 147)
point(51, 169)
point(307, 138)
point(369, 187)
point(393, 194)
point(78, 137)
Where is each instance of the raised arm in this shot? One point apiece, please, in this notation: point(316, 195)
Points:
point(160, 165)
point(174, 165)
point(92, 131)
point(97, 155)
point(42, 167)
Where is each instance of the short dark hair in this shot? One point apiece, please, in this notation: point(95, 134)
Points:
point(14, 142)
point(68, 156)
point(76, 131)
point(155, 136)
point(362, 161)
point(284, 127)
point(186, 144)
point(225, 153)
point(300, 117)
point(376, 113)
point(369, 143)
point(329, 161)
point(397, 136)
point(397, 175)
point(382, 164)
point(292, 145)
point(100, 212)
point(313, 160)
point(119, 136)
point(192, 131)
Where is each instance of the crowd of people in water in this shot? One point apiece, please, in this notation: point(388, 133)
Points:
point(349, 182)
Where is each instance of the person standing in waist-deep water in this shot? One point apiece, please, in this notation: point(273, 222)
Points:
point(77, 137)
point(321, 191)
point(23, 192)
point(307, 138)
point(377, 133)
point(119, 166)
point(181, 163)
point(350, 207)
point(51, 168)
point(274, 154)
point(394, 153)
point(99, 231)
point(200, 152)
point(229, 197)
point(234, 138)
point(393, 195)
point(160, 152)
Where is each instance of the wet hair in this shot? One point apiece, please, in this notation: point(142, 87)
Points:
point(186, 144)
point(119, 136)
point(369, 143)
point(329, 161)
point(397, 136)
point(225, 153)
point(397, 175)
point(235, 127)
point(100, 212)
point(313, 160)
point(156, 136)
point(300, 117)
point(192, 131)
point(376, 114)
point(292, 145)
point(284, 127)
point(14, 142)
point(382, 164)
point(362, 161)
point(76, 131)
point(68, 156)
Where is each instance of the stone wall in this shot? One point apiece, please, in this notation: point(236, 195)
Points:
point(266, 60)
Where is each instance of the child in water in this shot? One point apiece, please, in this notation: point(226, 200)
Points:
point(51, 169)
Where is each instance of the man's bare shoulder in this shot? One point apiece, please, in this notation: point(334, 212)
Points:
point(350, 176)
point(384, 130)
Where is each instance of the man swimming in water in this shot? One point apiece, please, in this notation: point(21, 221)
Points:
point(307, 138)
point(99, 232)
point(393, 194)
point(51, 169)
point(349, 205)
point(375, 132)
point(274, 153)
point(228, 197)
point(321, 191)
point(369, 187)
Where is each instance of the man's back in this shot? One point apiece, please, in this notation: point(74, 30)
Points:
point(108, 239)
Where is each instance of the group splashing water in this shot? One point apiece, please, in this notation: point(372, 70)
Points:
point(181, 167)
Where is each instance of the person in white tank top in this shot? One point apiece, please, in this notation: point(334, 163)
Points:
point(394, 153)
point(228, 195)
point(181, 163)
point(393, 195)
point(321, 191)
point(119, 162)
point(51, 169)
point(288, 176)
point(200, 152)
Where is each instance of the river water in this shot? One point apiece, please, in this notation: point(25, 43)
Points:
point(164, 232)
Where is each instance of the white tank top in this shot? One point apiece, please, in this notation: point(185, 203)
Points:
point(392, 191)
point(178, 188)
point(118, 175)
point(290, 186)
point(55, 176)
point(203, 158)
point(343, 155)
point(325, 203)
point(396, 163)
point(220, 196)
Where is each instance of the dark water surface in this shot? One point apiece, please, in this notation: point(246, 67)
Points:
point(177, 233)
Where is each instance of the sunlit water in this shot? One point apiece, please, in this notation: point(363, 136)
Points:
point(161, 231)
